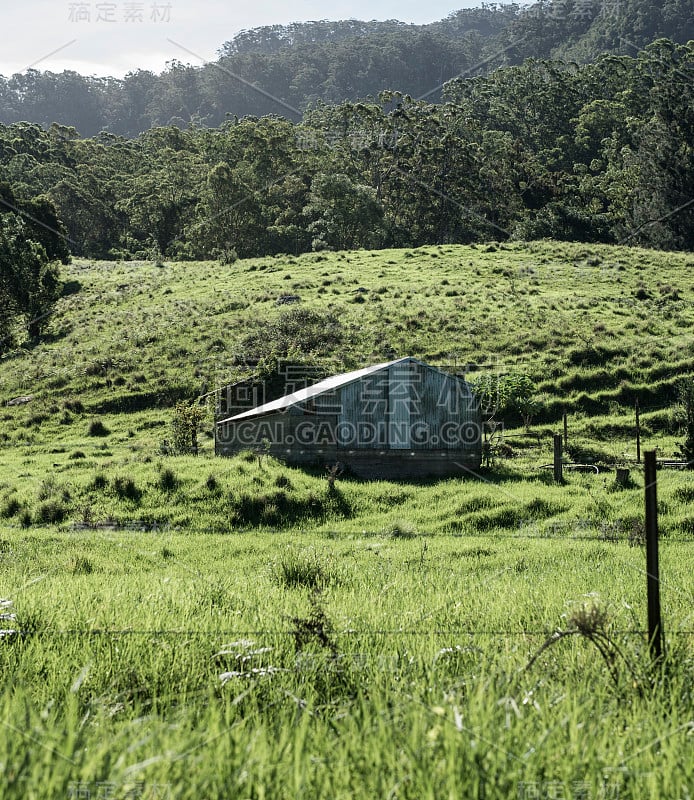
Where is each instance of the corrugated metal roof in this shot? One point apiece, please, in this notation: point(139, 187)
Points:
point(322, 387)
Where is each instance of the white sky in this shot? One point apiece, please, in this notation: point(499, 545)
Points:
point(117, 36)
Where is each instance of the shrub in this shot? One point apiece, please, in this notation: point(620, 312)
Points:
point(275, 509)
point(685, 494)
point(48, 488)
point(74, 405)
point(127, 489)
point(301, 570)
point(52, 512)
point(98, 368)
point(168, 480)
point(82, 566)
point(185, 425)
point(283, 482)
point(297, 330)
point(11, 508)
point(228, 256)
point(97, 428)
point(401, 530)
point(87, 517)
point(99, 483)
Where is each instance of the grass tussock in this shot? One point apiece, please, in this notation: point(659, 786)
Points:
point(304, 570)
point(98, 428)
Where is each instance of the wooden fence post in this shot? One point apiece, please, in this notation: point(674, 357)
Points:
point(638, 433)
point(558, 473)
point(655, 626)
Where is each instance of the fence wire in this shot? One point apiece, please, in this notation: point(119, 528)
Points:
point(351, 633)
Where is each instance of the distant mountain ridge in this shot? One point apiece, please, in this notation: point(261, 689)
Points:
point(297, 66)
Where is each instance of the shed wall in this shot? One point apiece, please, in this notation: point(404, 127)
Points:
point(405, 421)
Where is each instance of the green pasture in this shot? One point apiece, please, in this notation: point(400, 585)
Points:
point(316, 664)
point(236, 628)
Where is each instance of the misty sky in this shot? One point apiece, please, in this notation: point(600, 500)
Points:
point(113, 38)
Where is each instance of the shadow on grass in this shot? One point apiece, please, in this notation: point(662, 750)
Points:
point(497, 474)
point(70, 288)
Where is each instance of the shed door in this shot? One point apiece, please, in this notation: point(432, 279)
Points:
point(400, 407)
point(363, 411)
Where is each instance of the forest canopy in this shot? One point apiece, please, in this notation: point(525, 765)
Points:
point(602, 152)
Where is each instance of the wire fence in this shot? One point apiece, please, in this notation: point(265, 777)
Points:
point(604, 532)
point(351, 633)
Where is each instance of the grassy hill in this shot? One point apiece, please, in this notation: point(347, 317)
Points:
point(595, 327)
point(199, 627)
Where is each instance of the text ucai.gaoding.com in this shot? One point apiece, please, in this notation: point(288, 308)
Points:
point(450, 435)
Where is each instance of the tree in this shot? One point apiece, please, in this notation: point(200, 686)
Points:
point(185, 425)
point(29, 280)
point(343, 215)
point(295, 335)
point(520, 393)
point(501, 394)
point(232, 212)
point(161, 198)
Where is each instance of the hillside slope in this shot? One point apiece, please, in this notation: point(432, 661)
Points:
point(593, 325)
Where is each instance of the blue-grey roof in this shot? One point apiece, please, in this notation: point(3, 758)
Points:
point(322, 387)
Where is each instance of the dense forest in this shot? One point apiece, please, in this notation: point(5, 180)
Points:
point(602, 152)
point(286, 70)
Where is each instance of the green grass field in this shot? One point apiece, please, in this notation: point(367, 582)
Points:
point(213, 628)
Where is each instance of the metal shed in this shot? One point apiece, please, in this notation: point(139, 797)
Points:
point(400, 419)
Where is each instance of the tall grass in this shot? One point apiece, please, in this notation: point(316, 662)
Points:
point(208, 673)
